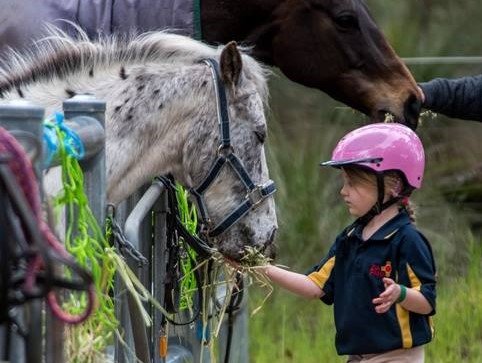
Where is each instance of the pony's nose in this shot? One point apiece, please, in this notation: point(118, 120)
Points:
point(270, 248)
point(272, 235)
point(411, 111)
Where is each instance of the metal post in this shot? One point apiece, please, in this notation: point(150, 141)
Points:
point(27, 118)
point(129, 319)
point(76, 109)
point(158, 270)
point(134, 233)
point(122, 353)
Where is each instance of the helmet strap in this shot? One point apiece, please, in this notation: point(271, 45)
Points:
point(379, 206)
point(381, 193)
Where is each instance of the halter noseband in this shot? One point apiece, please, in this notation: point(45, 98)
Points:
point(256, 193)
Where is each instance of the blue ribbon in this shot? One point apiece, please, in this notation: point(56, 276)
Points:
point(72, 142)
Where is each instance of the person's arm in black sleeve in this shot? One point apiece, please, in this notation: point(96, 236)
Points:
point(457, 98)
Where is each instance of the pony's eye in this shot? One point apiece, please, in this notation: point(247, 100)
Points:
point(260, 135)
point(347, 22)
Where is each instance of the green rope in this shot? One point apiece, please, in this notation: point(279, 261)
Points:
point(91, 248)
point(188, 216)
point(86, 242)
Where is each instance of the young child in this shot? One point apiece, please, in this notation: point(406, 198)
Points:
point(380, 272)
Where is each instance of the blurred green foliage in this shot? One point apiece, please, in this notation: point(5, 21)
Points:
point(304, 127)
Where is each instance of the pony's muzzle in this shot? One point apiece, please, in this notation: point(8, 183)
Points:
point(270, 246)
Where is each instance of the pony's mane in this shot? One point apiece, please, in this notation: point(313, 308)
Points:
point(59, 55)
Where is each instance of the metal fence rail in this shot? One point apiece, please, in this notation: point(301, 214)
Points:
point(442, 60)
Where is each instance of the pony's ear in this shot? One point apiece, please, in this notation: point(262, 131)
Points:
point(231, 64)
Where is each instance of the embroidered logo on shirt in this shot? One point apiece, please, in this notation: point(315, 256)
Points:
point(381, 271)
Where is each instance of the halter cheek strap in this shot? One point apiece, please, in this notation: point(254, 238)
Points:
point(255, 193)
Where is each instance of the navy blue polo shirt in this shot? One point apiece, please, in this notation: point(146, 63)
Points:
point(351, 277)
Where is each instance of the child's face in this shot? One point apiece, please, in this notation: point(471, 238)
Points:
point(359, 195)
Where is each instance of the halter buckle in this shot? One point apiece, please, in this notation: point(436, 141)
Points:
point(225, 150)
point(255, 196)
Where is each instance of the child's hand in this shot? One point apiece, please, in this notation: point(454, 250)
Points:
point(387, 297)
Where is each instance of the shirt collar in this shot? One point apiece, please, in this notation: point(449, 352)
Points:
point(385, 231)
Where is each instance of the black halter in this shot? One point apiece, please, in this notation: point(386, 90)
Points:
point(256, 193)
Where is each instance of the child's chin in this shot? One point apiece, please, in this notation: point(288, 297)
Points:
point(355, 213)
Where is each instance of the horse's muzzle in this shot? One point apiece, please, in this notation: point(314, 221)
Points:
point(411, 111)
point(408, 115)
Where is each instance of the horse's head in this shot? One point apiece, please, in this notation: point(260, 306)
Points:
point(335, 46)
point(162, 117)
point(223, 192)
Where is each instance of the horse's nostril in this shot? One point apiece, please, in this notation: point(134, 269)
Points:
point(411, 111)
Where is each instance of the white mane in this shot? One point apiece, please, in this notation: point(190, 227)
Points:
point(60, 55)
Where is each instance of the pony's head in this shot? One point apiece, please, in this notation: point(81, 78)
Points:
point(226, 189)
point(162, 117)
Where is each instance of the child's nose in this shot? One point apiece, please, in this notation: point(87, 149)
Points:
point(343, 191)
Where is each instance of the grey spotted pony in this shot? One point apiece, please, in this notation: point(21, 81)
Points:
point(162, 117)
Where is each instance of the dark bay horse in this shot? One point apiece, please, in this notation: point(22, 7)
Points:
point(332, 45)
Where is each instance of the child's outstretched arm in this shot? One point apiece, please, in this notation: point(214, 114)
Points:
point(295, 282)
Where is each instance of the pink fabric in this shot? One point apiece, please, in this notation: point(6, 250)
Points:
point(22, 169)
point(397, 145)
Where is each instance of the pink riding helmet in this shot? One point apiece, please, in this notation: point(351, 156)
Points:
point(382, 147)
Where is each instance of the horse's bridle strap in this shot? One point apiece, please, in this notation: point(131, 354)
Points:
point(241, 171)
point(255, 193)
point(221, 103)
point(253, 199)
point(212, 174)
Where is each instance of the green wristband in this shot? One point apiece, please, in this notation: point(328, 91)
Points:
point(403, 294)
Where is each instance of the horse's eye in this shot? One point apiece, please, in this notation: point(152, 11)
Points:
point(347, 22)
point(260, 135)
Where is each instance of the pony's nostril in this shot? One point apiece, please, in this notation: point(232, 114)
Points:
point(272, 236)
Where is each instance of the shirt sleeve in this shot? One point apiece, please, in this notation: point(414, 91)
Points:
point(417, 267)
point(322, 274)
point(459, 98)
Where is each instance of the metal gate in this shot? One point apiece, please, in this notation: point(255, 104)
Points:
point(143, 218)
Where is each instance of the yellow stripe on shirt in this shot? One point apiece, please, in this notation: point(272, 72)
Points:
point(414, 280)
point(323, 274)
point(416, 285)
point(403, 317)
